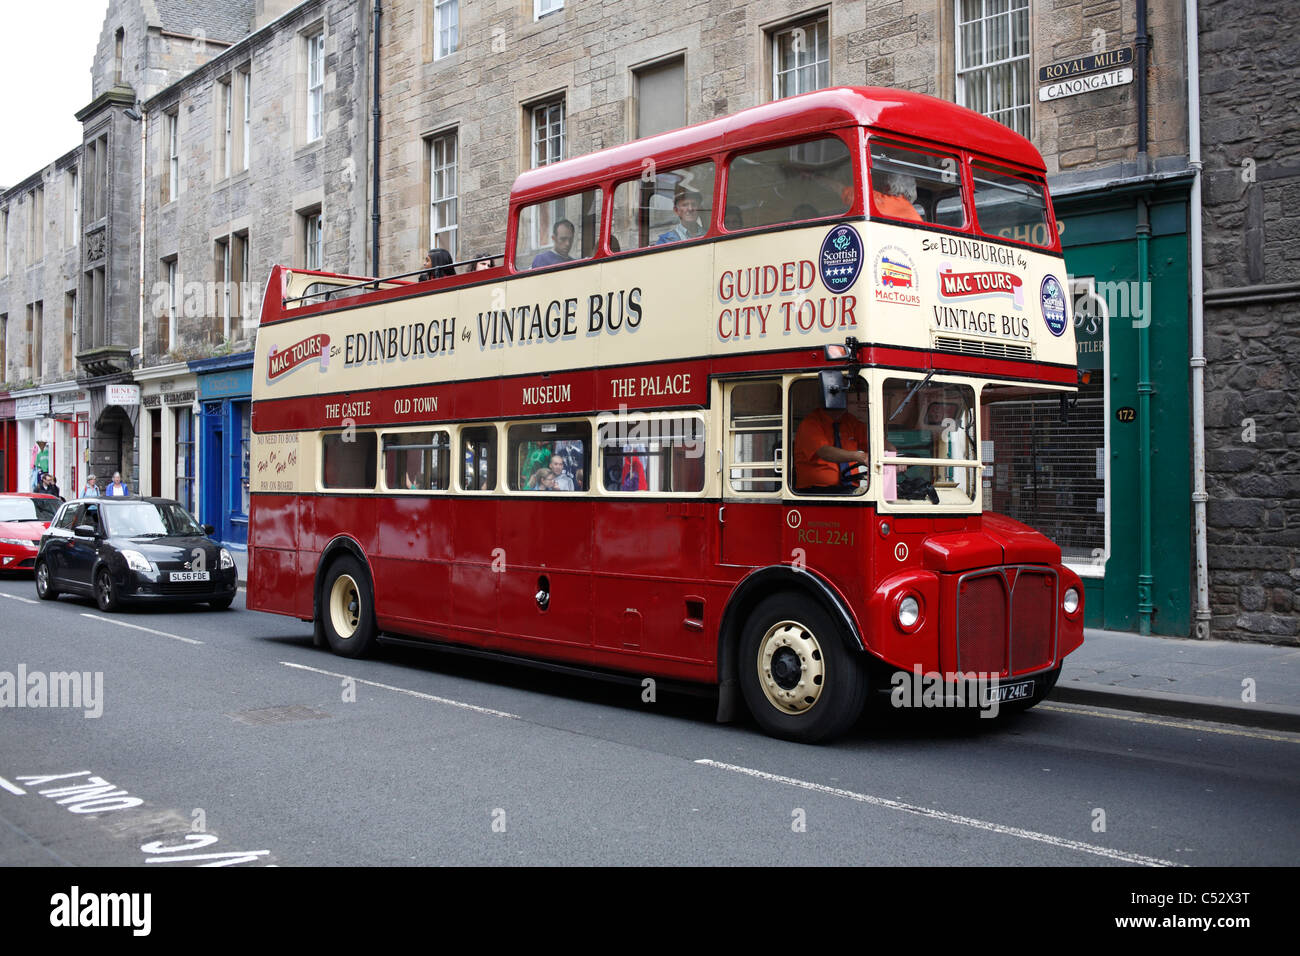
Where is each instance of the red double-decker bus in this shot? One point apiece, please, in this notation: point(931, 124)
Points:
point(729, 412)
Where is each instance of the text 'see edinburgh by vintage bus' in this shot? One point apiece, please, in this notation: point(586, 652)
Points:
point(721, 414)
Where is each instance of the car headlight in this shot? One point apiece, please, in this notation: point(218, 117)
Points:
point(226, 560)
point(137, 561)
point(1070, 600)
point(21, 542)
point(909, 612)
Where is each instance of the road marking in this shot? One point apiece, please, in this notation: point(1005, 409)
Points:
point(13, 788)
point(137, 627)
point(15, 597)
point(402, 690)
point(885, 802)
point(1170, 723)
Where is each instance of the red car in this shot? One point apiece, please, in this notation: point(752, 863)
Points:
point(24, 517)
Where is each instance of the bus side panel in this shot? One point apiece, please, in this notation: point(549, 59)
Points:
point(412, 561)
point(547, 545)
point(272, 555)
point(474, 582)
point(649, 559)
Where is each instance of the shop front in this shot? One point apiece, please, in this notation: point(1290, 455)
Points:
point(168, 423)
point(225, 387)
point(8, 445)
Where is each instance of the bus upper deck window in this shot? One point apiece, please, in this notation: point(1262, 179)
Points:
point(1011, 205)
point(558, 230)
point(789, 183)
point(915, 186)
point(662, 207)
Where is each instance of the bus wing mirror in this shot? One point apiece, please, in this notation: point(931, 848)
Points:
point(834, 389)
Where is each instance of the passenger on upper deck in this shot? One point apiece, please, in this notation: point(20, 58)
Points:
point(894, 195)
point(437, 265)
point(561, 243)
point(686, 206)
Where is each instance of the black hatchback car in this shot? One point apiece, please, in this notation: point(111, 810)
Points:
point(133, 549)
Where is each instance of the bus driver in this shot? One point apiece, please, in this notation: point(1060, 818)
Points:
point(829, 446)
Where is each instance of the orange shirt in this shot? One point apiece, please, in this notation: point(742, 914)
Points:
point(895, 207)
point(818, 429)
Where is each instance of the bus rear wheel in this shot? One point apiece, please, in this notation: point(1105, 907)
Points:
point(348, 608)
point(800, 680)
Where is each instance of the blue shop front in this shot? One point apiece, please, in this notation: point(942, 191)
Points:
point(225, 390)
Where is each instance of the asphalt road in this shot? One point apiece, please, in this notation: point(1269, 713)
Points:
point(226, 738)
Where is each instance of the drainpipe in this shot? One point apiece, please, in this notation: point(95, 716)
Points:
point(1145, 605)
point(1199, 495)
point(374, 132)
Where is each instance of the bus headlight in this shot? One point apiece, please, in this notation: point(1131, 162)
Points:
point(909, 612)
point(1070, 600)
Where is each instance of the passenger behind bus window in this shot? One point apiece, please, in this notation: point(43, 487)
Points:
point(561, 243)
point(894, 195)
point(486, 262)
point(830, 450)
point(686, 207)
point(543, 480)
point(562, 479)
point(733, 219)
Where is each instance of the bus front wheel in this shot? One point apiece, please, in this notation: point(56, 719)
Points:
point(348, 608)
point(799, 678)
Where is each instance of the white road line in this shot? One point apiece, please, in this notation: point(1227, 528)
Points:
point(946, 817)
point(13, 788)
point(15, 597)
point(137, 627)
point(402, 690)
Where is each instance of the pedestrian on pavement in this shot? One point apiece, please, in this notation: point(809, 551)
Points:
point(48, 487)
point(115, 487)
point(91, 490)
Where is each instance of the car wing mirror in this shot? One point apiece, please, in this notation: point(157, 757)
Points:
point(84, 531)
point(209, 529)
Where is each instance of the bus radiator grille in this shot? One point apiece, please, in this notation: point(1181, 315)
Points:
point(1033, 621)
point(982, 624)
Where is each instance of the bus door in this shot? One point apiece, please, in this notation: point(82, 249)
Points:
point(753, 462)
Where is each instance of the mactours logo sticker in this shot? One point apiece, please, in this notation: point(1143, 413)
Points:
point(841, 258)
point(283, 361)
point(1053, 299)
point(895, 277)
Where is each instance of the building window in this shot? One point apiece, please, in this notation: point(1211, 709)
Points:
point(993, 60)
point(4, 246)
point(242, 290)
point(97, 158)
point(245, 412)
point(443, 218)
point(446, 27)
point(315, 86)
point(225, 128)
point(801, 58)
point(224, 271)
point(119, 41)
point(35, 336)
point(71, 207)
point(167, 321)
point(542, 7)
point(36, 225)
point(246, 115)
point(95, 289)
point(4, 350)
point(313, 239)
point(171, 157)
point(69, 332)
point(548, 133)
point(660, 97)
point(184, 457)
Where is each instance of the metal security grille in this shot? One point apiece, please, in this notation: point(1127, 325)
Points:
point(1051, 475)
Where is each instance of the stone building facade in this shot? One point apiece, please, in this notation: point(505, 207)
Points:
point(1251, 148)
point(255, 158)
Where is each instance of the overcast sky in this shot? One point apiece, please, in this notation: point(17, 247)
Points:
point(46, 48)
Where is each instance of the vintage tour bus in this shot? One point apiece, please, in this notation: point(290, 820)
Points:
point(727, 412)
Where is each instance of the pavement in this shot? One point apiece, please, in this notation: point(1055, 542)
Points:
point(1255, 685)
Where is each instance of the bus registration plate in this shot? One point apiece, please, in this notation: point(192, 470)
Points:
point(188, 576)
point(1020, 690)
